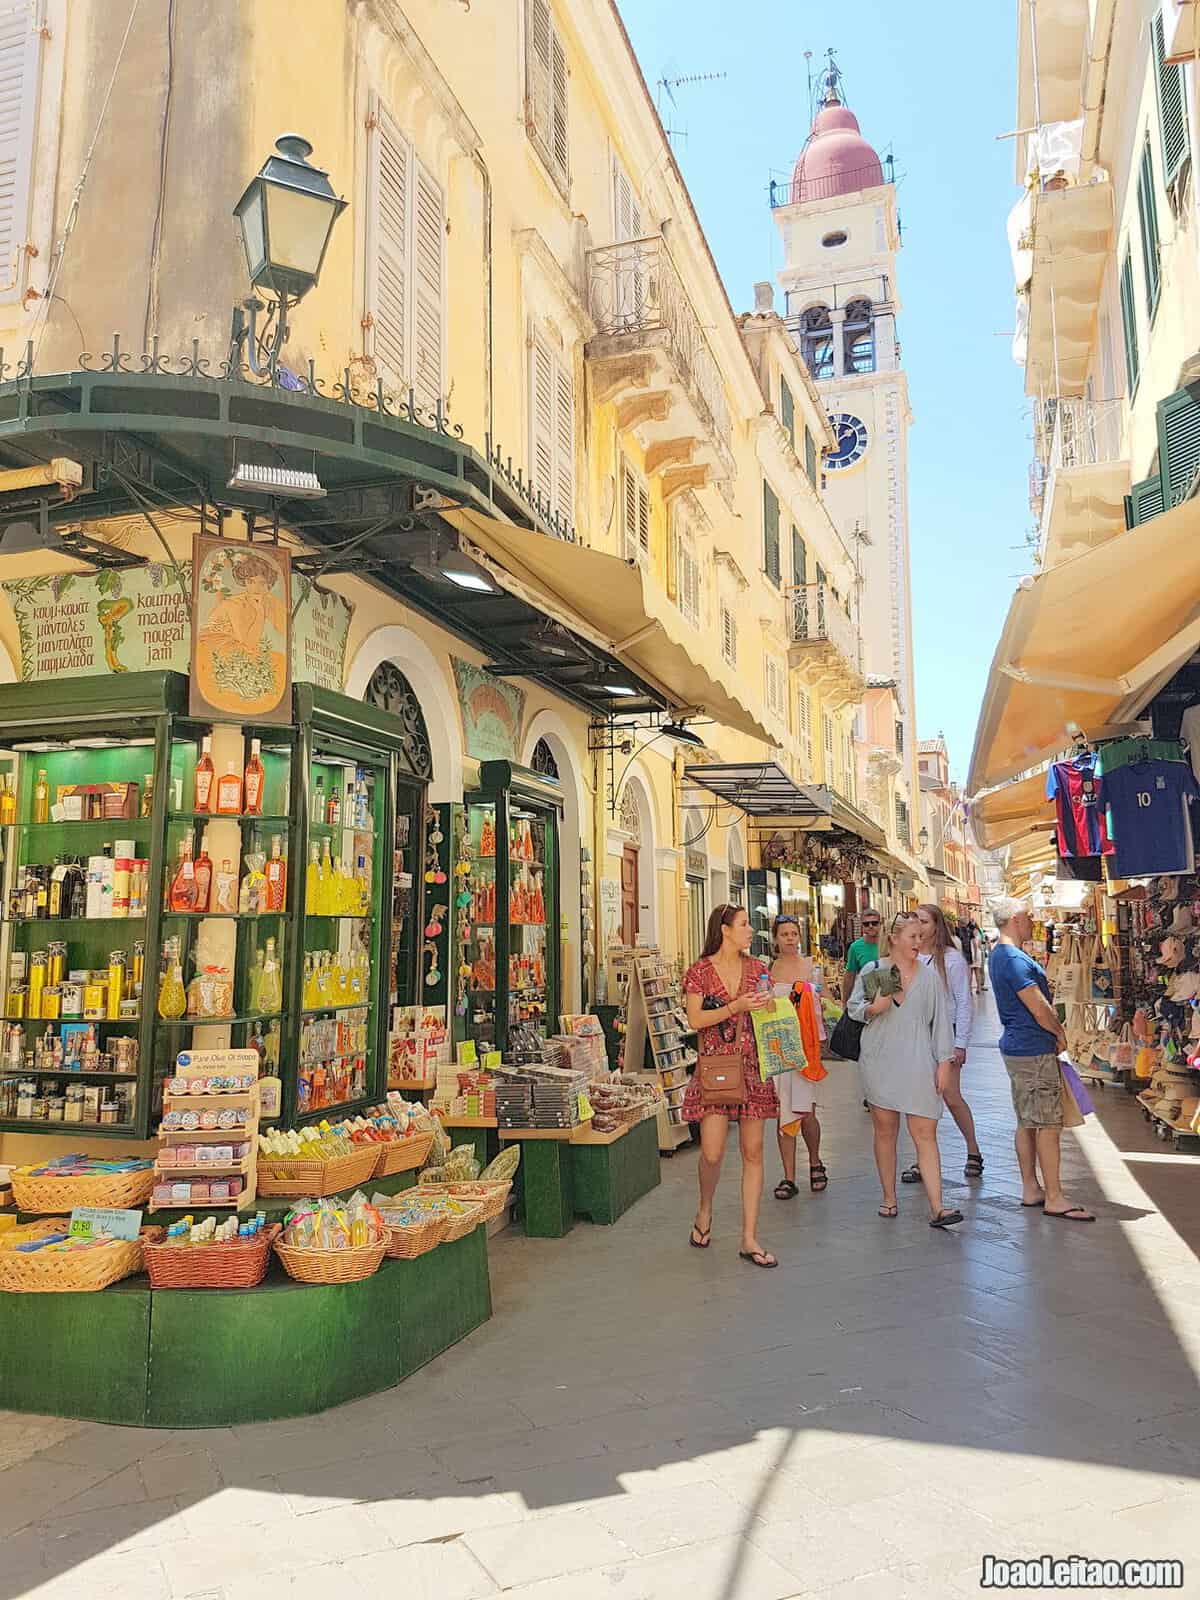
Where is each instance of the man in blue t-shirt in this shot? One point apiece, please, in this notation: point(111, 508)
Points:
point(1030, 1045)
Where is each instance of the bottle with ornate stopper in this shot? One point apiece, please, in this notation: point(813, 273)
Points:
point(204, 776)
point(255, 779)
point(318, 799)
point(183, 892)
point(204, 874)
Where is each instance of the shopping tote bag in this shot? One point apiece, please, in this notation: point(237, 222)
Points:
point(777, 1034)
point(1076, 1101)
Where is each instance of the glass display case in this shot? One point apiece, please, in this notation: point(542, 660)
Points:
point(510, 927)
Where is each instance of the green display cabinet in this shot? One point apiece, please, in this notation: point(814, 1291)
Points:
point(514, 916)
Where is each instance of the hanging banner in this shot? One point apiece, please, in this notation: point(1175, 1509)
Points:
point(88, 624)
point(492, 713)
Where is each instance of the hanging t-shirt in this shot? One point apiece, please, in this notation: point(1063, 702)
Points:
point(1077, 792)
point(1148, 818)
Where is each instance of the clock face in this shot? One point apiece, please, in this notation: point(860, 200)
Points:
point(852, 439)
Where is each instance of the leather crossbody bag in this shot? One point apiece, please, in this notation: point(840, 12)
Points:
point(723, 1077)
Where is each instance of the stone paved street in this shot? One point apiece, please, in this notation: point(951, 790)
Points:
point(644, 1421)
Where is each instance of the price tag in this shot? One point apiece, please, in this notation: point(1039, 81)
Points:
point(87, 1222)
point(467, 1053)
point(585, 1108)
point(491, 1061)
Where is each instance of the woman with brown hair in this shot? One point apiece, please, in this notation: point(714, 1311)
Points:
point(939, 951)
point(719, 990)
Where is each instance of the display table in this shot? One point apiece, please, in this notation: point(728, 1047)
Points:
point(479, 1132)
point(209, 1358)
point(572, 1172)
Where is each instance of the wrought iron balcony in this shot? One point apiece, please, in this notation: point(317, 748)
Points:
point(1083, 480)
point(797, 191)
point(824, 642)
point(650, 355)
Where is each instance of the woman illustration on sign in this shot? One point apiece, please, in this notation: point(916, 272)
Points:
point(241, 645)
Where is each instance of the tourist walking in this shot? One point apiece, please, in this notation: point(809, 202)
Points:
point(863, 950)
point(791, 976)
point(1030, 1045)
point(906, 1056)
point(939, 951)
point(971, 938)
point(720, 990)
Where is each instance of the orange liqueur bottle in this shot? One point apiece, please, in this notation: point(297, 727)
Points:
point(204, 776)
point(255, 778)
point(182, 896)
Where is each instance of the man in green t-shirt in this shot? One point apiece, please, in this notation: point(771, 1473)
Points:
point(862, 952)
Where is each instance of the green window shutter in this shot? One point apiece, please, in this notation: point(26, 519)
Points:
point(1144, 500)
point(810, 457)
point(1148, 221)
point(799, 557)
point(787, 411)
point(1179, 444)
point(1129, 322)
point(1172, 106)
point(771, 534)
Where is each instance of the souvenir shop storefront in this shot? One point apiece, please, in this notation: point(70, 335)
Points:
point(1102, 724)
point(296, 807)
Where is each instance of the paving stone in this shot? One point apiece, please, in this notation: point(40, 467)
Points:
point(572, 1542)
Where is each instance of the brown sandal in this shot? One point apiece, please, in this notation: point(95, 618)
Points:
point(818, 1178)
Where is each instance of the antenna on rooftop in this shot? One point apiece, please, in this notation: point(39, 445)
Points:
point(668, 85)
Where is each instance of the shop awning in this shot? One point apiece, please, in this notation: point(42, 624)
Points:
point(621, 606)
point(852, 820)
point(1006, 814)
point(762, 789)
point(1088, 643)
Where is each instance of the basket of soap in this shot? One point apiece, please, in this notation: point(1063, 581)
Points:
point(231, 1254)
point(52, 1262)
point(327, 1242)
point(311, 1162)
point(81, 1180)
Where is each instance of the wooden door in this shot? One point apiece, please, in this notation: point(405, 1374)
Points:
point(629, 894)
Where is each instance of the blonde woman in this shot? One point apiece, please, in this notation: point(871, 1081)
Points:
point(906, 1058)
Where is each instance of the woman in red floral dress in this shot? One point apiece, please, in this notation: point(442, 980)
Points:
point(719, 990)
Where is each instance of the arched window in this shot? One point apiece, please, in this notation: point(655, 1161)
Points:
point(391, 691)
point(858, 336)
point(816, 341)
point(542, 760)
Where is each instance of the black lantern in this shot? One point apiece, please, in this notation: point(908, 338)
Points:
point(286, 216)
point(923, 840)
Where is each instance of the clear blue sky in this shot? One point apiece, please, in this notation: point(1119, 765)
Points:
point(937, 89)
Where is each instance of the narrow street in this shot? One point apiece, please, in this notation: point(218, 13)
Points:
point(641, 1420)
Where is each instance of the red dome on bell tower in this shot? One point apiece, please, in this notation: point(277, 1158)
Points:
point(837, 159)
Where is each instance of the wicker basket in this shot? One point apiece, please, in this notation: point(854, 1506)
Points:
point(403, 1155)
point(331, 1266)
point(76, 1272)
point(406, 1243)
point(491, 1198)
point(458, 1226)
point(240, 1264)
point(295, 1176)
point(119, 1191)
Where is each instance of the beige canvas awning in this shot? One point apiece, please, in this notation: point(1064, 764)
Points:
point(1004, 815)
point(1088, 643)
point(612, 602)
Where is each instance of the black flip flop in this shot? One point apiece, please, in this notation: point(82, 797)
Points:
point(785, 1189)
point(1032, 1205)
point(1071, 1214)
point(911, 1175)
point(705, 1239)
point(889, 1213)
point(754, 1258)
point(948, 1219)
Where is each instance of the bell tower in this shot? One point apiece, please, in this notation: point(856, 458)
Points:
point(840, 229)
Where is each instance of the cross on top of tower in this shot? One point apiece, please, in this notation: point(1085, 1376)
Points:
point(836, 159)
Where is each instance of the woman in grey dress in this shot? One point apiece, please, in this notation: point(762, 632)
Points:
point(906, 1058)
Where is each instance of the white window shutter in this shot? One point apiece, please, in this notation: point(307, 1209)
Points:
point(19, 62)
point(627, 213)
point(564, 443)
point(427, 277)
point(541, 416)
point(559, 149)
point(388, 249)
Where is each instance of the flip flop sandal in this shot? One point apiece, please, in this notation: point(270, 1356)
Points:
point(947, 1219)
point(818, 1178)
point(1071, 1214)
point(974, 1167)
point(889, 1212)
point(758, 1258)
point(1031, 1205)
point(705, 1239)
point(911, 1175)
point(785, 1189)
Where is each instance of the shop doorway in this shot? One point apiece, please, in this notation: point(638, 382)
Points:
point(629, 894)
point(697, 914)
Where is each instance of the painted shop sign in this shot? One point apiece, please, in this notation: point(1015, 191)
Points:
point(492, 713)
point(241, 631)
point(89, 624)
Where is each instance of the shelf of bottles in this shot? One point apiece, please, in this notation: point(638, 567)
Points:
point(337, 1050)
point(509, 925)
point(225, 895)
point(76, 815)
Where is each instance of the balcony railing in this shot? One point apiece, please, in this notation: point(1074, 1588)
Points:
point(817, 618)
point(795, 191)
point(634, 288)
point(1083, 433)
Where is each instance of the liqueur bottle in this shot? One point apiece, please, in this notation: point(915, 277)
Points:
point(255, 779)
point(204, 776)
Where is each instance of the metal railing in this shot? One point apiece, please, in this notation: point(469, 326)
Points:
point(1083, 433)
point(816, 617)
point(634, 287)
point(795, 191)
